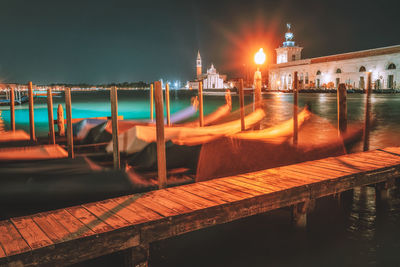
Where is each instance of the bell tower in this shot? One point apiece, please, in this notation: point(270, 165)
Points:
point(198, 65)
point(289, 51)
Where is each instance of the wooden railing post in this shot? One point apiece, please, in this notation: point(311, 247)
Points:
point(295, 109)
point(70, 138)
point(114, 120)
point(167, 104)
point(342, 108)
point(151, 102)
point(201, 112)
point(31, 115)
point(52, 137)
point(12, 109)
point(367, 120)
point(241, 104)
point(161, 160)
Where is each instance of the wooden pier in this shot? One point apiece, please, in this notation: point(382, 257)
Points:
point(132, 222)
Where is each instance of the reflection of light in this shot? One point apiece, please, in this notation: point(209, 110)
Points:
point(278, 82)
point(322, 98)
point(259, 57)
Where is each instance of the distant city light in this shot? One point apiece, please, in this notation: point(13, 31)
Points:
point(259, 57)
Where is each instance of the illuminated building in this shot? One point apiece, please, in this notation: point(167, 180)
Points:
point(328, 71)
point(211, 80)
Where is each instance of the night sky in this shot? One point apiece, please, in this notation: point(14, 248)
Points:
point(102, 41)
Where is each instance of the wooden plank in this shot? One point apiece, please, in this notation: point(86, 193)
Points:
point(223, 195)
point(314, 171)
point(261, 187)
point(346, 162)
point(231, 191)
point(201, 201)
point(351, 160)
point(377, 159)
point(394, 150)
point(338, 165)
point(319, 164)
point(239, 186)
point(157, 207)
point(32, 234)
point(282, 171)
point(90, 220)
point(106, 215)
point(129, 202)
point(278, 179)
point(205, 193)
point(259, 182)
point(51, 227)
point(179, 199)
point(11, 240)
point(120, 210)
point(305, 173)
point(75, 227)
point(159, 197)
point(384, 156)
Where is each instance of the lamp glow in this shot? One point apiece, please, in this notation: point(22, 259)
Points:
point(259, 57)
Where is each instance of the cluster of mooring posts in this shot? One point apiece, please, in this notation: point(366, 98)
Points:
point(229, 192)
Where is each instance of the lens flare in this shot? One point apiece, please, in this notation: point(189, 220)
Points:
point(259, 57)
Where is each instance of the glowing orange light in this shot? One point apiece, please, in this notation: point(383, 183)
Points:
point(259, 57)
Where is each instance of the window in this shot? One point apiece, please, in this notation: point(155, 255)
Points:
point(293, 57)
point(307, 78)
point(362, 69)
point(319, 72)
point(338, 71)
point(391, 66)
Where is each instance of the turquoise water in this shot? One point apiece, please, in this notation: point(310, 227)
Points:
point(136, 105)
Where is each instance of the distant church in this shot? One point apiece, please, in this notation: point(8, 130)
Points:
point(328, 71)
point(211, 80)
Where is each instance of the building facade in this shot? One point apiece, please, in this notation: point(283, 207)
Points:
point(328, 71)
point(211, 80)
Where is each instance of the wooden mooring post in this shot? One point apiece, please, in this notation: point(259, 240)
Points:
point(12, 109)
point(161, 160)
point(151, 102)
point(342, 108)
point(60, 120)
point(114, 119)
point(167, 104)
point(295, 109)
point(241, 105)
point(201, 114)
point(31, 115)
point(52, 137)
point(70, 137)
point(367, 121)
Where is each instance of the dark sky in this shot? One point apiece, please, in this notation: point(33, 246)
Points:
point(102, 41)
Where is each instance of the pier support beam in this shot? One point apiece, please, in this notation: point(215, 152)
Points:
point(383, 190)
point(241, 104)
point(137, 256)
point(299, 212)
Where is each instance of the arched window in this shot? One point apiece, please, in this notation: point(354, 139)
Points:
point(391, 66)
point(319, 72)
point(362, 69)
point(338, 71)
